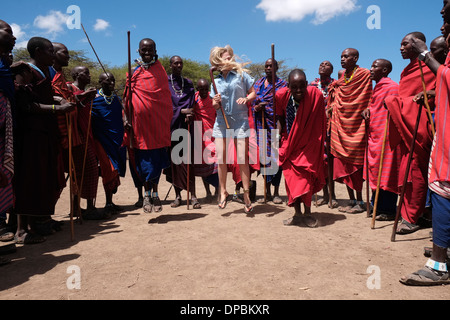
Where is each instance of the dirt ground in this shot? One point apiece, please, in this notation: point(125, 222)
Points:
point(210, 254)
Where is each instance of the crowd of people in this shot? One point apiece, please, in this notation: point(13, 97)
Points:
point(360, 127)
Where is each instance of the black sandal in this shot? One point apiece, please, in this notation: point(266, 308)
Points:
point(157, 206)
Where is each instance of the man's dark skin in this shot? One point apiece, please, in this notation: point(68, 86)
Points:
point(82, 78)
point(62, 56)
point(349, 61)
point(298, 86)
point(203, 90)
point(107, 82)
point(148, 54)
point(176, 65)
point(42, 57)
point(270, 67)
point(325, 71)
point(380, 69)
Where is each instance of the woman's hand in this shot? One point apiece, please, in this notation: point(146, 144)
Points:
point(217, 101)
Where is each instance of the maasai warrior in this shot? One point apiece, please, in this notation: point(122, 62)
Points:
point(350, 98)
point(436, 270)
point(403, 111)
point(108, 131)
point(84, 156)
point(205, 114)
point(439, 49)
point(37, 134)
point(148, 126)
point(264, 104)
point(325, 83)
point(183, 99)
point(301, 110)
point(62, 91)
point(377, 115)
point(7, 103)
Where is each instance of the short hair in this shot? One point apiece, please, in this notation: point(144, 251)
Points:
point(74, 72)
point(387, 64)
point(36, 42)
point(173, 57)
point(295, 73)
point(419, 35)
point(147, 40)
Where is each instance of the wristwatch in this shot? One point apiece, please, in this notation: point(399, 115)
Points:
point(423, 55)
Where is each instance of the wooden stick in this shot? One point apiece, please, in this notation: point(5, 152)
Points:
point(69, 128)
point(274, 87)
point(380, 171)
point(188, 167)
point(213, 81)
point(425, 98)
point(367, 171)
point(263, 119)
point(405, 180)
point(130, 94)
point(84, 161)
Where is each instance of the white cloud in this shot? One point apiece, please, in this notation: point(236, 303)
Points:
point(297, 10)
point(53, 23)
point(101, 25)
point(20, 36)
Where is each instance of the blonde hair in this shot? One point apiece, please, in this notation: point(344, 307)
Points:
point(215, 58)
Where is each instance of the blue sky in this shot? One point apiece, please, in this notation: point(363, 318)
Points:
point(305, 32)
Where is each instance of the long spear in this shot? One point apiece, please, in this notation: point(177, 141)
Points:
point(367, 169)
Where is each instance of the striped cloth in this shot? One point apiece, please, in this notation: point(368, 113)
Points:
point(61, 89)
point(6, 193)
point(204, 113)
point(81, 158)
point(439, 173)
point(348, 128)
point(265, 94)
point(152, 108)
point(378, 116)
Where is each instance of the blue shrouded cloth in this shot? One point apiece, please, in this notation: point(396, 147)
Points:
point(107, 128)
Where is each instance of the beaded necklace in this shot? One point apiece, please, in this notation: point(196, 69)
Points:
point(108, 99)
point(348, 80)
point(180, 92)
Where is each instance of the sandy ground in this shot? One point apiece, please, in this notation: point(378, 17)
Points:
point(210, 254)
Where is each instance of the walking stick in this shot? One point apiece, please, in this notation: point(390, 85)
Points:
point(213, 81)
point(84, 161)
point(367, 171)
point(189, 166)
point(425, 98)
point(274, 87)
point(383, 151)
point(405, 180)
point(130, 94)
point(263, 119)
point(69, 128)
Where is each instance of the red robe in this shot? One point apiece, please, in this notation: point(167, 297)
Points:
point(301, 153)
point(404, 112)
point(348, 128)
point(205, 114)
point(378, 116)
point(152, 108)
point(439, 165)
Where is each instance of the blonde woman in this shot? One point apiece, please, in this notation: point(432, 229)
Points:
point(235, 94)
